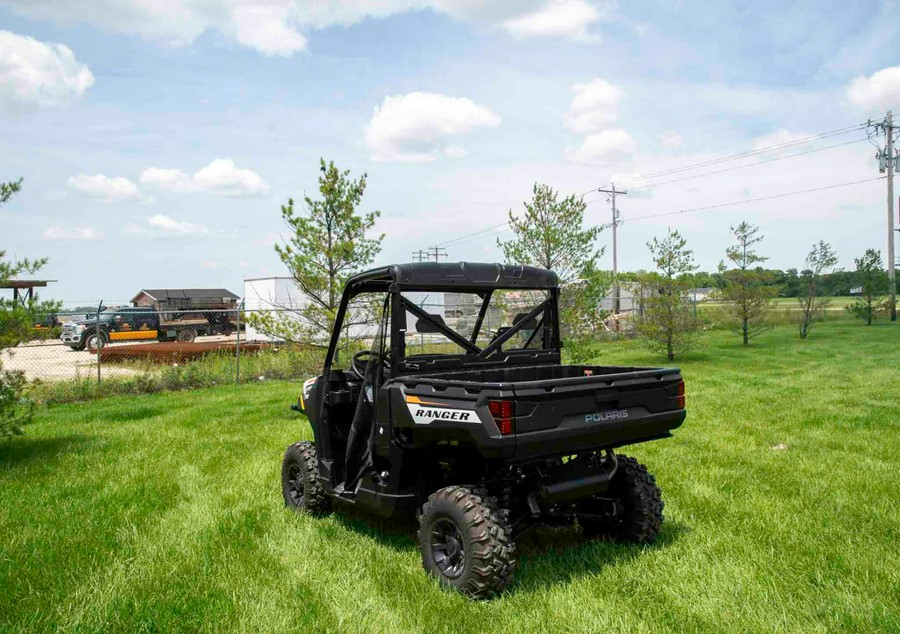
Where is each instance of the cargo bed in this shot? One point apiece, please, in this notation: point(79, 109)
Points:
point(562, 409)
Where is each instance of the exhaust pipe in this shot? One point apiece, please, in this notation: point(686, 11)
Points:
point(575, 488)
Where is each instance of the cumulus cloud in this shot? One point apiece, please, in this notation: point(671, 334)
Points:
point(86, 234)
point(37, 74)
point(671, 140)
point(634, 183)
point(604, 148)
point(416, 127)
point(159, 225)
point(556, 18)
point(280, 27)
point(594, 106)
point(220, 177)
point(169, 179)
point(108, 189)
point(879, 91)
point(268, 29)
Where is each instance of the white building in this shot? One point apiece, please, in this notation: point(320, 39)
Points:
point(270, 293)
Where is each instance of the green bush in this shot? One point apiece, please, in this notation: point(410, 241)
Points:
point(15, 407)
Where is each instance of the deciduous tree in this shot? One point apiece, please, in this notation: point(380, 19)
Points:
point(812, 303)
point(873, 282)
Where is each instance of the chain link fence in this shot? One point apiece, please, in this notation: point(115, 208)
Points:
point(131, 349)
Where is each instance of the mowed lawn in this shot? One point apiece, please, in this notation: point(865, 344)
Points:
point(163, 513)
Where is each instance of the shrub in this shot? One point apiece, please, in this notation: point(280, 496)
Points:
point(15, 407)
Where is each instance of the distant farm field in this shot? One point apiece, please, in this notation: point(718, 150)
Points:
point(162, 513)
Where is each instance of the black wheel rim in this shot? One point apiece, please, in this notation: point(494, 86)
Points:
point(447, 548)
point(295, 485)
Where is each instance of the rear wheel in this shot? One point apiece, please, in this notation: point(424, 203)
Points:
point(187, 336)
point(300, 484)
point(640, 506)
point(466, 542)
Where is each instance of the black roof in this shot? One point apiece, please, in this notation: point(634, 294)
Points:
point(162, 294)
point(456, 276)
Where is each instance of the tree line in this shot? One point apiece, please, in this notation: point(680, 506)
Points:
point(330, 241)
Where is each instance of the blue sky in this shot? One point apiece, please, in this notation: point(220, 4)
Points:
point(157, 147)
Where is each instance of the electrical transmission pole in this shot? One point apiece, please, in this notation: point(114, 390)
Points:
point(420, 256)
point(437, 253)
point(887, 161)
point(615, 222)
point(891, 159)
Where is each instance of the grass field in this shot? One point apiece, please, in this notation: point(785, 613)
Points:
point(162, 513)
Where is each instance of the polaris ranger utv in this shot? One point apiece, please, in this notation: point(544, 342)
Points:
point(475, 426)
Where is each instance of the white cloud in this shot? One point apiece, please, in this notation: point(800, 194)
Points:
point(223, 177)
point(108, 189)
point(36, 74)
point(456, 152)
point(880, 91)
point(557, 18)
point(671, 140)
point(594, 106)
point(267, 29)
point(169, 179)
point(415, 127)
point(87, 234)
point(220, 177)
point(164, 226)
point(280, 27)
point(604, 148)
point(634, 183)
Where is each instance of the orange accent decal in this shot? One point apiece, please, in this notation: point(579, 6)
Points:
point(417, 401)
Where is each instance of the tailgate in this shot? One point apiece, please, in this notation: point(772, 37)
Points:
point(599, 409)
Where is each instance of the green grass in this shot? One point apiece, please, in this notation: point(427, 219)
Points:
point(163, 513)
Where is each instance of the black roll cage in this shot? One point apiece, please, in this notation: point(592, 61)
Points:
point(385, 280)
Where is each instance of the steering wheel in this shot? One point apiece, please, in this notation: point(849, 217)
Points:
point(360, 362)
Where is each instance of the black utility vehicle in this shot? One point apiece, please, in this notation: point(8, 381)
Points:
point(475, 426)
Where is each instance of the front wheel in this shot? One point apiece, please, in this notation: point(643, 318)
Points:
point(95, 341)
point(300, 484)
point(466, 542)
point(639, 499)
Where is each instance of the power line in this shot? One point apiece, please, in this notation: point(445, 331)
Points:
point(753, 200)
point(463, 237)
point(469, 236)
point(739, 167)
point(749, 153)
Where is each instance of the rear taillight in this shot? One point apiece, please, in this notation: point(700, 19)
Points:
point(680, 394)
point(504, 413)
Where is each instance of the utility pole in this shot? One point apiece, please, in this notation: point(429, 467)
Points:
point(437, 253)
point(615, 222)
point(891, 159)
point(419, 256)
point(887, 162)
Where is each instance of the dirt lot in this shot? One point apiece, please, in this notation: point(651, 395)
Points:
point(51, 360)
